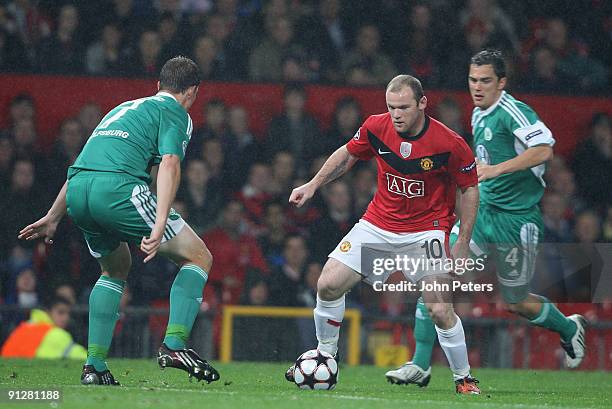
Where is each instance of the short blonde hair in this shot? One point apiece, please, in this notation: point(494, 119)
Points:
point(404, 80)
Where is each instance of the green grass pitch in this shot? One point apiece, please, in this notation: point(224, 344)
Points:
point(262, 385)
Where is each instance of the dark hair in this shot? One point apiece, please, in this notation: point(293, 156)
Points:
point(178, 74)
point(23, 97)
point(491, 57)
point(294, 87)
point(404, 80)
point(54, 300)
point(599, 118)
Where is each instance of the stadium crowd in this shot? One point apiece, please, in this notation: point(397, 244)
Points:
point(234, 188)
point(552, 47)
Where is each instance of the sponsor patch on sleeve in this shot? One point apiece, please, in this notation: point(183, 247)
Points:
point(469, 167)
point(533, 134)
point(357, 134)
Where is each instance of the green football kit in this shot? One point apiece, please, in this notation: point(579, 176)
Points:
point(509, 224)
point(108, 193)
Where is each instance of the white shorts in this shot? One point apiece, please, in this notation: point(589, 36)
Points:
point(376, 253)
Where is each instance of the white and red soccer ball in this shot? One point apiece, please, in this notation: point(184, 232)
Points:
point(316, 369)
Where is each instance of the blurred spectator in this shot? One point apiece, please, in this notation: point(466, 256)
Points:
point(283, 172)
point(66, 148)
point(147, 60)
point(593, 162)
point(243, 148)
point(421, 50)
point(544, 74)
point(123, 13)
point(235, 253)
point(63, 51)
point(90, 116)
point(335, 223)
point(66, 291)
point(213, 156)
point(286, 280)
point(272, 238)
point(325, 36)
point(45, 335)
point(26, 294)
point(346, 122)
point(266, 61)
point(255, 193)
point(556, 227)
point(450, 114)
point(105, 56)
point(202, 201)
point(21, 108)
point(364, 187)
point(494, 21)
point(295, 130)
point(574, 62)
point(31, 25)
point(564, 183)
point(12, 52)
point(171, 41)
point(366, 64)
point(7, 155)
point(22, 205)
point(215, 125)
point(205, 54)
point(587, 229)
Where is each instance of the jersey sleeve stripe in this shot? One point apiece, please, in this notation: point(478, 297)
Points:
point(189, 126)
point(520, 121)
point(512, 106)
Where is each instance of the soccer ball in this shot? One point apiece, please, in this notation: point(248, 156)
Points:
point(316, 369)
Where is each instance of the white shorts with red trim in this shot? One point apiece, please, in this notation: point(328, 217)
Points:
point(375, 253)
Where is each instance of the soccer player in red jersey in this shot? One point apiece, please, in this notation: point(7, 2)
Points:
point(421, 165)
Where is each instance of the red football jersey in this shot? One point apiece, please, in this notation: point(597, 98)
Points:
point(417, 175)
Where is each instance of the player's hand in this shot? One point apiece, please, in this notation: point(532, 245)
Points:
point(301, 194)
point(150, 245)
point(43, 228)
point(486, 172)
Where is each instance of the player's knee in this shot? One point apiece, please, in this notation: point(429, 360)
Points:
point(441, 313)
point(204, 258)
point(327, 289)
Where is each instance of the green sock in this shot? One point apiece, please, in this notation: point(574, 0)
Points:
point(185, 300)
point(424, 334)
point(103, 314)
point(551, 318)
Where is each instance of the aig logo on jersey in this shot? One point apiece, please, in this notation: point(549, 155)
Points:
point(488, 135)
point(405, 149)
point(405, 187)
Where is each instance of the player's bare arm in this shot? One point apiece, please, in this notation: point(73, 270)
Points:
point(334, 167)
point(469, 198)
point(168, 179)
point(45, 227)
point(533, 156)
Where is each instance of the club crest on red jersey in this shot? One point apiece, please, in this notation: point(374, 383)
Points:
point(405, 187)
point(405, 149)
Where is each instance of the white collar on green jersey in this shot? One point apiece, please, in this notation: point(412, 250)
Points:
point(166, 94)
point(492, 107)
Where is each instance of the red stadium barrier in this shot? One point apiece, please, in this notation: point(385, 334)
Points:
point(60, 97)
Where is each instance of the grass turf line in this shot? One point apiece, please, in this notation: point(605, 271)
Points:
point(262, 385)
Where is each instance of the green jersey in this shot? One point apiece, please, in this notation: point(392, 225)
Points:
point(133, 136)
point(502, 132)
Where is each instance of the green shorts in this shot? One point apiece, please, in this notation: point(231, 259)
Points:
point(510, 240)
point(110, 208)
